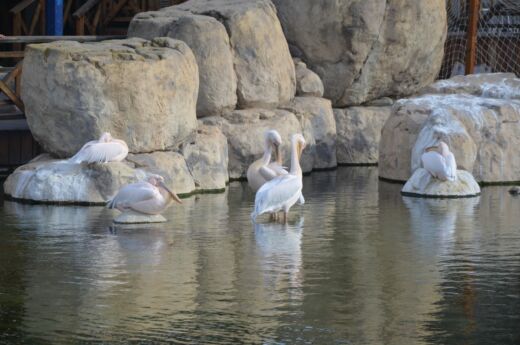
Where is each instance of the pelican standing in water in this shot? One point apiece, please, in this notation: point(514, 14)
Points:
point(263, 170)
point(148, 197)
point(282, 192)
point(104, 150)
point(440, 162)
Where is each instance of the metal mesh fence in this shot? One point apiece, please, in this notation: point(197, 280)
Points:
point(498, 37)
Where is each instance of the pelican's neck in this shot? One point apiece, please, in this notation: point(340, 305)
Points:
point(295, 159)
point(266, 158)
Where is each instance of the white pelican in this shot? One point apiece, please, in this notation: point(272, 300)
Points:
point(282, 192)
point(440, 162)
point(148, 197)
point(106, 149)
point(263, 170)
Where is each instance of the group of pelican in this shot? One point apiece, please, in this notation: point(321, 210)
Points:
point(277, 189)
point(148, 197)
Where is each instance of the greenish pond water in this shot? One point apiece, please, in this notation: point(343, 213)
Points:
point(357, 264)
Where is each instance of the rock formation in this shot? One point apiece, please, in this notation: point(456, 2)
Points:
point(262, 63)
point(143, 92)
point(482, 129)
point(359, 132)
point(366, 49)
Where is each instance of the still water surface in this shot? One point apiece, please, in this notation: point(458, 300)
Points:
point(357, 264)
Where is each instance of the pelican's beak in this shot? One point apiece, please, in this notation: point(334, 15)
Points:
point(174, 196)
point(300, 149)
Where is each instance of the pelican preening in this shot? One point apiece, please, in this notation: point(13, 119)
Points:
point(263, 170)
point(148, 197)
point(440, 162)
point(104, 150)
point(282, 192)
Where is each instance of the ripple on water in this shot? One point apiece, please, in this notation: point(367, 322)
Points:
point(357, 264)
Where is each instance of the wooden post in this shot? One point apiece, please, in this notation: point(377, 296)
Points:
point(471, 47)
point(80, 26)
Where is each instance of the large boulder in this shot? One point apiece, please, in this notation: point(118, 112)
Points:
point(262, 62)
point(143, 92)
point(359, 133)
point(207, 158)
point(481, 132)
point(365, 49)
point(319, 129)
point(308, 83)
point(209, 41)
point(422, 184)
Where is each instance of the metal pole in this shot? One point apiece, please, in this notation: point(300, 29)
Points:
point(54, 17)
point(471, 52)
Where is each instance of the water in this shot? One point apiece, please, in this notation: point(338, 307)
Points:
point(358, 264)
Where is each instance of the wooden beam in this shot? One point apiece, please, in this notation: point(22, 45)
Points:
point(21, 6)
point(471, 47)
point(11, 95)
point(14, 54)
point(80, 25)
point(47, 39)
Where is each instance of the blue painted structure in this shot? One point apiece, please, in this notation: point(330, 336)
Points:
point(54, 17)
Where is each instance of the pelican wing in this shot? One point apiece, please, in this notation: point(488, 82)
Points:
point(96, 152)
point(275, 194)
point(278, 169)
point(134, 193)
point(451, 167)
point(440, 167)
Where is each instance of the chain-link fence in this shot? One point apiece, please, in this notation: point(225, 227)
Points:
point(498, 37)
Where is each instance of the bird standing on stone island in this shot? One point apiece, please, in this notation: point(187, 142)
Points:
point(104, 150)
point(149, 197)
point(282, 192)
point(440, 162)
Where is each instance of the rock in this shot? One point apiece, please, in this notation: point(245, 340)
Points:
point(170, 165)
point(209, 41)
point(515, 190)
point(244, 130)
point(262, 62)
point(131, 217)
point(380, 102)
point(308, 83)
point(423, 184)
point(319, 129)
point(207, 159)
point(491, 85)
point(481, 132)
point(363, 50)
point(359, 133)
point(143, 92)
point(49, 180)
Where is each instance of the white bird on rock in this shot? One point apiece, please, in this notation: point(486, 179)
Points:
point(263, 170)
point(104, 150)
point(147, 197)
point(282, 192)
point(440, 162)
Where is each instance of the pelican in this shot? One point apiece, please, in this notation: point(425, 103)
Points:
point(106, 149)
point(440, 162)
point(263, 170)
point(282, 192)
point(149, 197)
